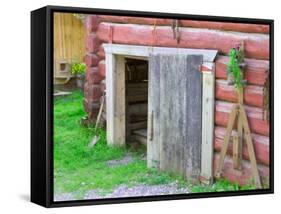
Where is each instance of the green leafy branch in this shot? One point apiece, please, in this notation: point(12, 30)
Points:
point(236, 58)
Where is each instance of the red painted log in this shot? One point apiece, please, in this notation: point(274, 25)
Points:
point(93, 76)
point(255, 117)
point(92, 108)
point(253, 95)
point(228, 26)
point(255, 71)
point(135, 20)
point(92, 43)
point(262, 151)
point(261, 145)
point(102, 86)
point(91, 23)
point(91, 60)
point(101, 53)
point(256, 46)
point(102, 70)
point(248, 28)
point(244, 177)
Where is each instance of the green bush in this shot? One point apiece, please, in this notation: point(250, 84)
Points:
point(78, 68)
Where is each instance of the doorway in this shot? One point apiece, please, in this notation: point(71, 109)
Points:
point(187, 149)
point(136, 84)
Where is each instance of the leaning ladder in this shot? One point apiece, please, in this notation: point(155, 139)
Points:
point(238, 114)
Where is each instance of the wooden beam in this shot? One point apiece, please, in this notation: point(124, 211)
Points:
point(230, 126)
point(138, 125)
point(207, 126)
point(137, 98)
point(115, 108)
point(238, 139)
point(110, 82)
point(146, 51)
point(261, 146)
point(119, 105)
point(255, 117)
point(250, 146)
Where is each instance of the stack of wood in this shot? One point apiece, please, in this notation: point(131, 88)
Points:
point(136, 99)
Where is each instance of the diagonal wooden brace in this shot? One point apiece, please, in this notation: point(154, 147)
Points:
point(230, 126)
point(250, 146)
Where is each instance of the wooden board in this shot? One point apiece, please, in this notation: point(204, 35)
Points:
point(207, 126)
point(119, 103)
point(178, 83)
point(115, 107)
point(153, 130)
point(141, 132)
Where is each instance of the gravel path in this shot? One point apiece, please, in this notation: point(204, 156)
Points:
point(125, 191)
point(138, 190)
point(124, 161)
point(64, 197)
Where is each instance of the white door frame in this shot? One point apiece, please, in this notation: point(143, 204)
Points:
point(115, 94)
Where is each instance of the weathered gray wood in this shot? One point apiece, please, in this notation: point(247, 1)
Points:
point(176, 103)
point(138, 125)
point(137, 98)
point(138, 109)
point(140, 135)
point(141, 139)
point(153, 129)
point(141, 132)
point(207, 126)
point(193, 115)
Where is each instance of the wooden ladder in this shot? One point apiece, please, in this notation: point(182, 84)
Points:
point(238, 114)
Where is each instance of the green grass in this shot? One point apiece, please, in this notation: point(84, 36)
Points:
point(219, 186)
point(79, 168)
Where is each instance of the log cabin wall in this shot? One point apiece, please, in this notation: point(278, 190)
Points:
point(200, 35)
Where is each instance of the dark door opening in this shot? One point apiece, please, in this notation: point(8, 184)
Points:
point(136, 78)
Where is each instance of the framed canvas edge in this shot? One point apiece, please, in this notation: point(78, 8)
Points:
point(47, 93)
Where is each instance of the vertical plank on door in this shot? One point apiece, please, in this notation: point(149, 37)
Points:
point(153, 152)
point(207, 126)
point(193, 114)
point(175, 89)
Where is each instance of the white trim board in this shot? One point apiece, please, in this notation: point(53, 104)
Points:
point(145, 51)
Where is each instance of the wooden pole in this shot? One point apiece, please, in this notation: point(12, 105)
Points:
point(230, 126)
point(238, 142)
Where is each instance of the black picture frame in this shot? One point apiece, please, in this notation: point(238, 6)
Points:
point(42, 103)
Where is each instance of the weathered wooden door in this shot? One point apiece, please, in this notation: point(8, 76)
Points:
point(174, 113)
